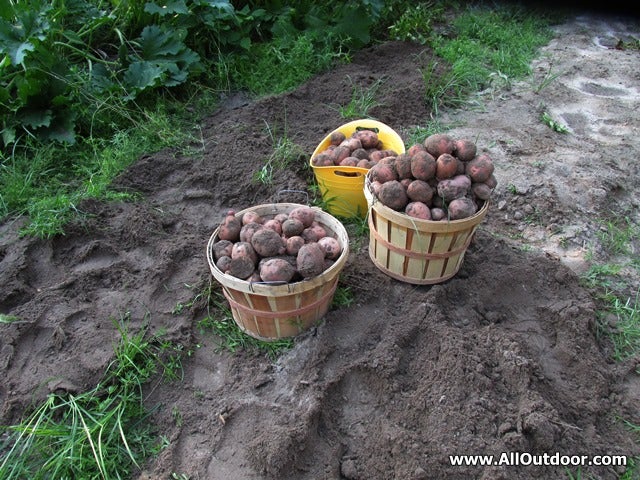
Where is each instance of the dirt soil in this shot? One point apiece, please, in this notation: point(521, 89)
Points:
point(504, 357)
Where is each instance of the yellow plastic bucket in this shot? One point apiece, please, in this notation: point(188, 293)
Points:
point(342, 188)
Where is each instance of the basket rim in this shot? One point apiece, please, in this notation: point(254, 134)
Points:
point(257, 288)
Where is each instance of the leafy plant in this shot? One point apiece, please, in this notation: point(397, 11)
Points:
point(362, 100)
point(548, 120)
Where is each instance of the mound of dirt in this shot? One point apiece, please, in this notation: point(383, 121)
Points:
point(503, 358)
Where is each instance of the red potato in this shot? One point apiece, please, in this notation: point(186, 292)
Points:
point(446, 166)
point(310, 260)
point(281, 217)
point(274, 225)
point(481, 191)
point(306, 215)
point(374, 187)
point(420, 191)
point(360, 153)
point(241, 267)
point(223, 263)
point(480, 168)
point(337, 137)
point(439, 143)
point(405, 182)
point(248, 230)
point(244, 249)
point(251, 217)
point(276, 270)
point(267, 243)
point(292, 227)
point(415, 148)
point(352, 144)
point(461, 208)
point(322, 160)
point(393, 195)
point(331, 247)
point(423, 166)
point(313, 233)
point(293, 245)
point(403, 166)
point(453, 188)
point(382, 172)
point(464, 149)
point(368, 138)
point(378, 155)
point(364, 163)
point(340, 153)
point(492, 182)
point(438, 213)
point(222, 248)
point(349, 162)
point(418, 210)
point(230, 228)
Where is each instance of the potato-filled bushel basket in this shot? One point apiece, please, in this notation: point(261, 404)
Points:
point(417, 251)
point(268, 311)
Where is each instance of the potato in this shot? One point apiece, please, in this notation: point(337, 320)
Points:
point(480, 168)
point(230, 228)
point(403, 166)
point(439, 143)
point(310, 260)
point(331, 247)
point(418, 210)
point(393, 195)
point(337, 137)
point(364, 163)
point(374, 187)
point(423, 166)
point(223, 263)
point(461, 208)
point(438, 213)
point(446, 166)
point(222, 248)
point(405, 182)
point(251, 217)
point(352, 144)
point(360, 153)
point(281, 217)
point(464, 149)
point(453, 188)
point(322, 160)
point(293, 245)
point(340, 153)
point(382, 173)
point(305, 214)
point(492, 182)
point(247, 231)
point(420, 191)
point(244, 249)
point(274, 225)
point(378, 155)
point(313, 233)
point(241, 267)
point(368, 138)
point(292, 227)
point(349, 162)
point(276, 270)
point(415, 148)
point(267, 243)
point(481, 191)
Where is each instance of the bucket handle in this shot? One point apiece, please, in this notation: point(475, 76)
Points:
point(373, 129)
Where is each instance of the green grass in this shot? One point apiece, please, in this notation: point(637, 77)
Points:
point(100, 433)
point(285, 152)
point(363, 99)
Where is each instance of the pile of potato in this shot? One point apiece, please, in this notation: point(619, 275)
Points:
point(286, 248)
point(362, 149)
point(440, 179)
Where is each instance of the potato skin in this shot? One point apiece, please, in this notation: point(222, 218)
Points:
point(368, 138)
point(306, 215)
point(331, 247)
point(337, 137)
point(480, 168)
point(292, 227)
point(222, 248)
point(403, 166)
point(267, 243)
point(420, 191)
point(276, 270)
point(382, 172)
point(439, 143)
point(418, 210)
point(241, 267)
point(423, 166)
point(247, 231)
point(446, 166)
point(461, 208)
point(310, 260)
point(293, 244)
point(464, 149)
point(230, 228)
point(453, 188)
point(393, 195)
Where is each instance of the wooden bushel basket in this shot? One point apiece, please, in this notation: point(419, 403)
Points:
point(268, 311)
point(412, 250)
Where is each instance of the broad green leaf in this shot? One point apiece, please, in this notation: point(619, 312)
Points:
point(61, 128)
point(167, 8)
point(156, 44)
point(16, 40)
point(8, 135)
point(141, 75)
point(35, 118)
